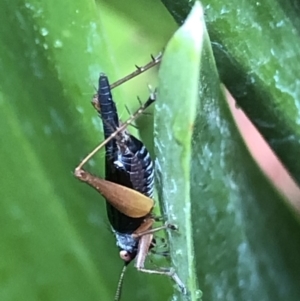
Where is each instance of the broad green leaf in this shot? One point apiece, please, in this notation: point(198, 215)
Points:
point(245, 239)
point(55, 239)
point(174, 118)
point(257, 50)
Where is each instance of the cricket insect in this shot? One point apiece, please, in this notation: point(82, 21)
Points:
point(129, 181)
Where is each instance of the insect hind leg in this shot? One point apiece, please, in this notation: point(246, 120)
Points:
point(139, 70)
point(170, 272)
point(135, 115)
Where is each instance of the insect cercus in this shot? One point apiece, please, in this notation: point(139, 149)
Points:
point(129, 181)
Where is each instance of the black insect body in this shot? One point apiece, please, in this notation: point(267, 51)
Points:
point(128, 163)
point(129, 181)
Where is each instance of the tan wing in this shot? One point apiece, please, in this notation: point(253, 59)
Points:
point(128, 201)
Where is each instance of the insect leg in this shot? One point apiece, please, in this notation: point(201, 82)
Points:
point(155, 60)
point(128, 201)
point(141, 232)
point(144, 245)
point(135, 115)
point(170, 272)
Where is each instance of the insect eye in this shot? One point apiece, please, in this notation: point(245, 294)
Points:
point(125, 255)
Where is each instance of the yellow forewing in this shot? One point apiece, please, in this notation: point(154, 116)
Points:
point(128, 201)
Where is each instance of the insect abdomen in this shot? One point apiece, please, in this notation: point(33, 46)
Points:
point(107, 106)
point(137, 162)
point(128, 162)
point(108, 113)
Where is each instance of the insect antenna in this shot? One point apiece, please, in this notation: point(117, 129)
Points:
point(139, 70)
point(120, 284)
point(135, 115)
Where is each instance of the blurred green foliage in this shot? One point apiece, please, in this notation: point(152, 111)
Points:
point(55, 239)
point(257, 50)
point(239, 238)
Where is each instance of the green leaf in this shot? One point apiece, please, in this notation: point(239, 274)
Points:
point(174, 119)
point(256, 47)
point(55, 241)
point(245, 239)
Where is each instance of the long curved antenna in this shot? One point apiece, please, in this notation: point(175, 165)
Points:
point(155, 61)
point(120, 284)
point(137, 113)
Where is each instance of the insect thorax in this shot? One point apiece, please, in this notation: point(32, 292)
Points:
point(126, 242)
